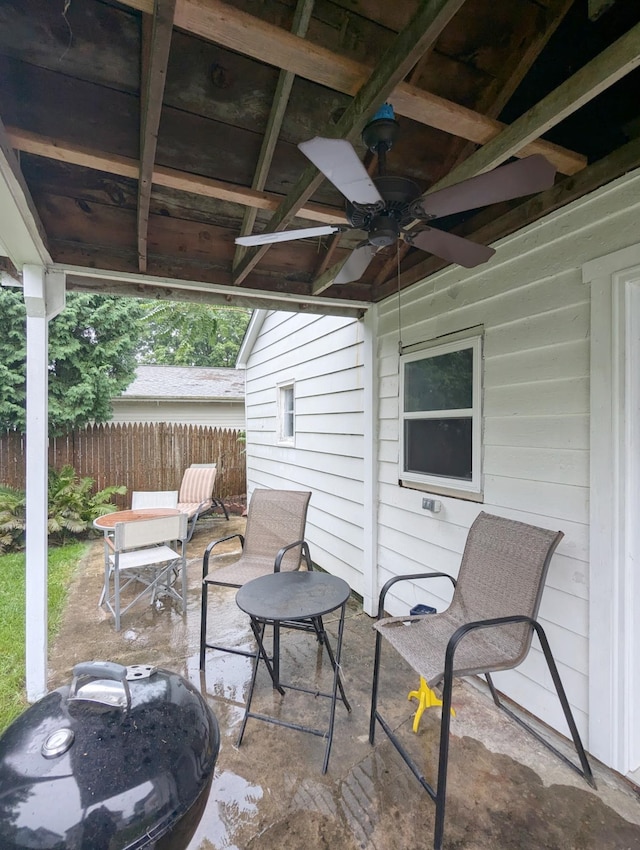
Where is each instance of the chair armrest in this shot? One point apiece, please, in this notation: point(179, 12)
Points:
point(389, 584)
point(305, 553)
point(461, 631)
point(207, 551)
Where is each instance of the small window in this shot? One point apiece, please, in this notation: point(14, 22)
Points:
point(286, 414)
point(440, 432)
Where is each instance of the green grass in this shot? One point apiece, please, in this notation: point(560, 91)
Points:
point(62, 565)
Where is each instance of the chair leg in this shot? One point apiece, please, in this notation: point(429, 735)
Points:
point(443, 762)
point(203, 623)
point(183, 576)
point(374, 689)
point(116, 596)
point(585, 768)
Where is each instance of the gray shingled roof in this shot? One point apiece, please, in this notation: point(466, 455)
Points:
point(186, 382)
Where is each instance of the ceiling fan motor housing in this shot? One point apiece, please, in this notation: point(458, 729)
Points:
point(383, 225)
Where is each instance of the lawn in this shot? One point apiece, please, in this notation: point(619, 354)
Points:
point(63, 561)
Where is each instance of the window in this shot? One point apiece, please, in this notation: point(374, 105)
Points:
point(440, 391)
point(286, 414)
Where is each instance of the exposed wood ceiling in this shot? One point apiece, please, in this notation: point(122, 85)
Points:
point(152, 133)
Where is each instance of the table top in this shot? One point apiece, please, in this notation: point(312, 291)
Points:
point(290, 595)
point(108, 521)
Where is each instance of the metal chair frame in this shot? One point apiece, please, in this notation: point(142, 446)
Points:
point(438, 794)
point(140, 551)
point(227, 578)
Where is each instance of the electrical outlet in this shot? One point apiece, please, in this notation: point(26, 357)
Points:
point(432, 505)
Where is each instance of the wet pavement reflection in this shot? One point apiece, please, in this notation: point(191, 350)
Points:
point(505, 790)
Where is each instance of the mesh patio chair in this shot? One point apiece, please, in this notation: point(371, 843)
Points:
point(195, 497)
point(273, 541)
point(488, 627)
point(150, 552)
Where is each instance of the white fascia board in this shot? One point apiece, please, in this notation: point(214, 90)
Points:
point(250, 336)
point(21, 233)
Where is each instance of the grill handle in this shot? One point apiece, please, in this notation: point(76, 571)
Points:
point(101, 682)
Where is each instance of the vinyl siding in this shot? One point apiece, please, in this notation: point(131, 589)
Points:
point(323, 356)
point(224, 414)
point(535, 313)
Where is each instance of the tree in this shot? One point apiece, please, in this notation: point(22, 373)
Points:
point(183, 334)
point(92, 347)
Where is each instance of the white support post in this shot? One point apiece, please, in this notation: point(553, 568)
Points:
point(370, 496)
point(44, 298)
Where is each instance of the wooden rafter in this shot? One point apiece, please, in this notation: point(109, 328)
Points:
point(569, 189)
point(424, 28)
point(299, 27)
point(492, 103)
point(156, 43)
point(23, 140)
point(219, 22)
point(607, 68)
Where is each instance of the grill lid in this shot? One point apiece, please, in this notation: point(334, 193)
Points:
point(113, 761)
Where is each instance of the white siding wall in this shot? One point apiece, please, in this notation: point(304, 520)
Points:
point(323, 356)
point(536, 312)
point(224, 414)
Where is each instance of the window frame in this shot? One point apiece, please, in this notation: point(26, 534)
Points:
point(440, 484)
point(283, 414)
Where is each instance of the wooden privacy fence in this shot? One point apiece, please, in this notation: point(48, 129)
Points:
point(142, 457)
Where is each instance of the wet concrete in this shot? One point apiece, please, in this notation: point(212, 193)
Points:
point(505, 790)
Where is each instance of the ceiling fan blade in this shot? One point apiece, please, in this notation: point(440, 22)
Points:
point(286, 235)
point(356, 264)
point(523, 177)
point(450, 247)
point(338, 161)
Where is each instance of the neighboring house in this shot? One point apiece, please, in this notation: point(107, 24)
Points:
point(537, 355)
point(187, 395)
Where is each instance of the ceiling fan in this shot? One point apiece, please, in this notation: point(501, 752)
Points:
point(385, 206)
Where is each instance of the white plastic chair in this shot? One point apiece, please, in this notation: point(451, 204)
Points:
point(154, 499)
point(150, 551)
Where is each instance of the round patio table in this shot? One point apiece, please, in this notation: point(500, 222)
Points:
point(107, 522)
point(298, 600)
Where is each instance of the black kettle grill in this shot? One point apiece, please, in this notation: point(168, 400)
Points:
point(122, 759)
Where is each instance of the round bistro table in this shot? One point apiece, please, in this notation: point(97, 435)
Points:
point(298, 598)
point(107, 522)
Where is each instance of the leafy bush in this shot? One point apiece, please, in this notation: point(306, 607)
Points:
point(72, 508)
point(72, 505)
point(13, 508)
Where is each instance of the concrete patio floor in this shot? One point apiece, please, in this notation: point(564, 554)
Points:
point(505, 790)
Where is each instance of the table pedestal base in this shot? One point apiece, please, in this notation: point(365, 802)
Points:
point(272, 665)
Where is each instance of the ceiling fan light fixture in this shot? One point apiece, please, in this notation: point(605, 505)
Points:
point(383, 231)
point(381, 132)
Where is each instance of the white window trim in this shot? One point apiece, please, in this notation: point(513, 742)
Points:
point(281, 439)
point(436, 483)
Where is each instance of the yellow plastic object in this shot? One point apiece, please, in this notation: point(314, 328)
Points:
point(426, 699)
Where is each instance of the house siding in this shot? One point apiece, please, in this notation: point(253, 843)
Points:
point(323, 356)
point(535, 313)
point(217, 414)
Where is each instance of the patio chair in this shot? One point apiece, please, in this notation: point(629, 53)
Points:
point(487, 627)
point(144, 499)
point(195, 497)
point(154, 499)
point(141, 553)
point(273, 541)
